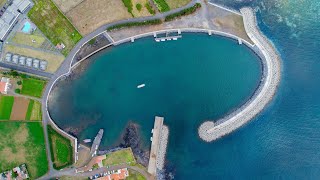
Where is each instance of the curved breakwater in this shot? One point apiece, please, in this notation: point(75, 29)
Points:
point(209, 130)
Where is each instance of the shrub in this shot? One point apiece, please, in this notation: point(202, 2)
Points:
point(18, 91)
point(139, 7)
point(132, 24)
point(183, 12)
point(19, 82)
point(92, 41)
point(128, 4)
point(150, 9)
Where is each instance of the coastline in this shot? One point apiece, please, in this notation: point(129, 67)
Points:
point(69, 66)
point(209, 130)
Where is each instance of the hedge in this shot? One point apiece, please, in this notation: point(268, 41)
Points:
point(132, 24)
point(183, 12)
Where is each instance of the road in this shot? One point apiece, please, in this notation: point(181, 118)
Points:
point(65, 68)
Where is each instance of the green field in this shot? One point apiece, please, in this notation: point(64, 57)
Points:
point(54, 24)
point(32, 87)
point(6, 103)
point(22, 142)
point(61, 149)
point(123, 156)
point(30, 108)
point(134, 175)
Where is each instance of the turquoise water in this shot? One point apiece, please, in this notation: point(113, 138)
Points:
point(26, 27)
point(189, 81)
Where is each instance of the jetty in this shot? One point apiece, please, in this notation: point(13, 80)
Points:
point(210, 130)
point(96, 143)
point(158, 146)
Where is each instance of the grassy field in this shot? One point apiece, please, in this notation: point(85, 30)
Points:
point(61, 149)
point(134, 175)
point(54, 24)
point(23, 143)
point(173, 4)
point(54, 60)
point(119, 157)
point(6, 103)
point(32, 87)
point(26, 39)
point(30, 108)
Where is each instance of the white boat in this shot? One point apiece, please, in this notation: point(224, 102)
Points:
point(163, 39)
point(87, 140)
point(141, 86)
point(157, 40)
point(175, 39)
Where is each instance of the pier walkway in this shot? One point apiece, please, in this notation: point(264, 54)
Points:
point(96, 143)
point(210, 130)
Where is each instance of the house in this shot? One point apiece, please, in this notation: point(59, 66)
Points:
point(120, 174)
point(4, 85)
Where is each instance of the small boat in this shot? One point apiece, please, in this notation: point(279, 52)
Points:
point(157, 40)
point(175, 39)
point(141, 86)
point(87, 140)
point(163, 39)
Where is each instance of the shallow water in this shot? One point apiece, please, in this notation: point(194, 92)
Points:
point(189, 81)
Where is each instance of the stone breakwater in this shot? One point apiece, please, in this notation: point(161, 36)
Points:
point(163, 141)
point(209, 131)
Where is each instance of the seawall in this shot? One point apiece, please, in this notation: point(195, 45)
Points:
point(210, 130)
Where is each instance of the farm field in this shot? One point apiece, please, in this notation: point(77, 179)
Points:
point(61, 149)
point(19, 108)
point(91, 14)
point(23, 142)
point(173, 4)
point(54, 24)
point(123, 156)
point(6, 103)
point(67, 5)
point(54, 60)
point(32, 87)
point(162, 5)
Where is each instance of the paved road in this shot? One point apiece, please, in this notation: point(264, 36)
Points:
point(65, 69)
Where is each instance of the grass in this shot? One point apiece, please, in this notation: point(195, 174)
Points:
point(162, 5)
point(6, 103)
point(32, 87)
point(149, 7)
point(173, 4)
point(26, 39)
point(123, 156)
point(30, 108)
point(132, 24)
point(128, 5)
point(61, 149)
point(134, 175)
point(54, 24)
point(183, 12)
point(22, 142)
point(36, 111)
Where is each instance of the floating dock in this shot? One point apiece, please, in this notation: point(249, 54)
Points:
point(168, 38)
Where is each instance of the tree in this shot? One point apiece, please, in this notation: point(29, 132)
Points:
point(19, 82)
point(139, 7)
point(17, 91)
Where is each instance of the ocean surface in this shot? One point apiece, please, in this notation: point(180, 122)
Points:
point(281, 143)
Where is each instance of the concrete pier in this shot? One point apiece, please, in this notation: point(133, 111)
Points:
point(152, 167)
point(209, 130)
point(96, 143)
